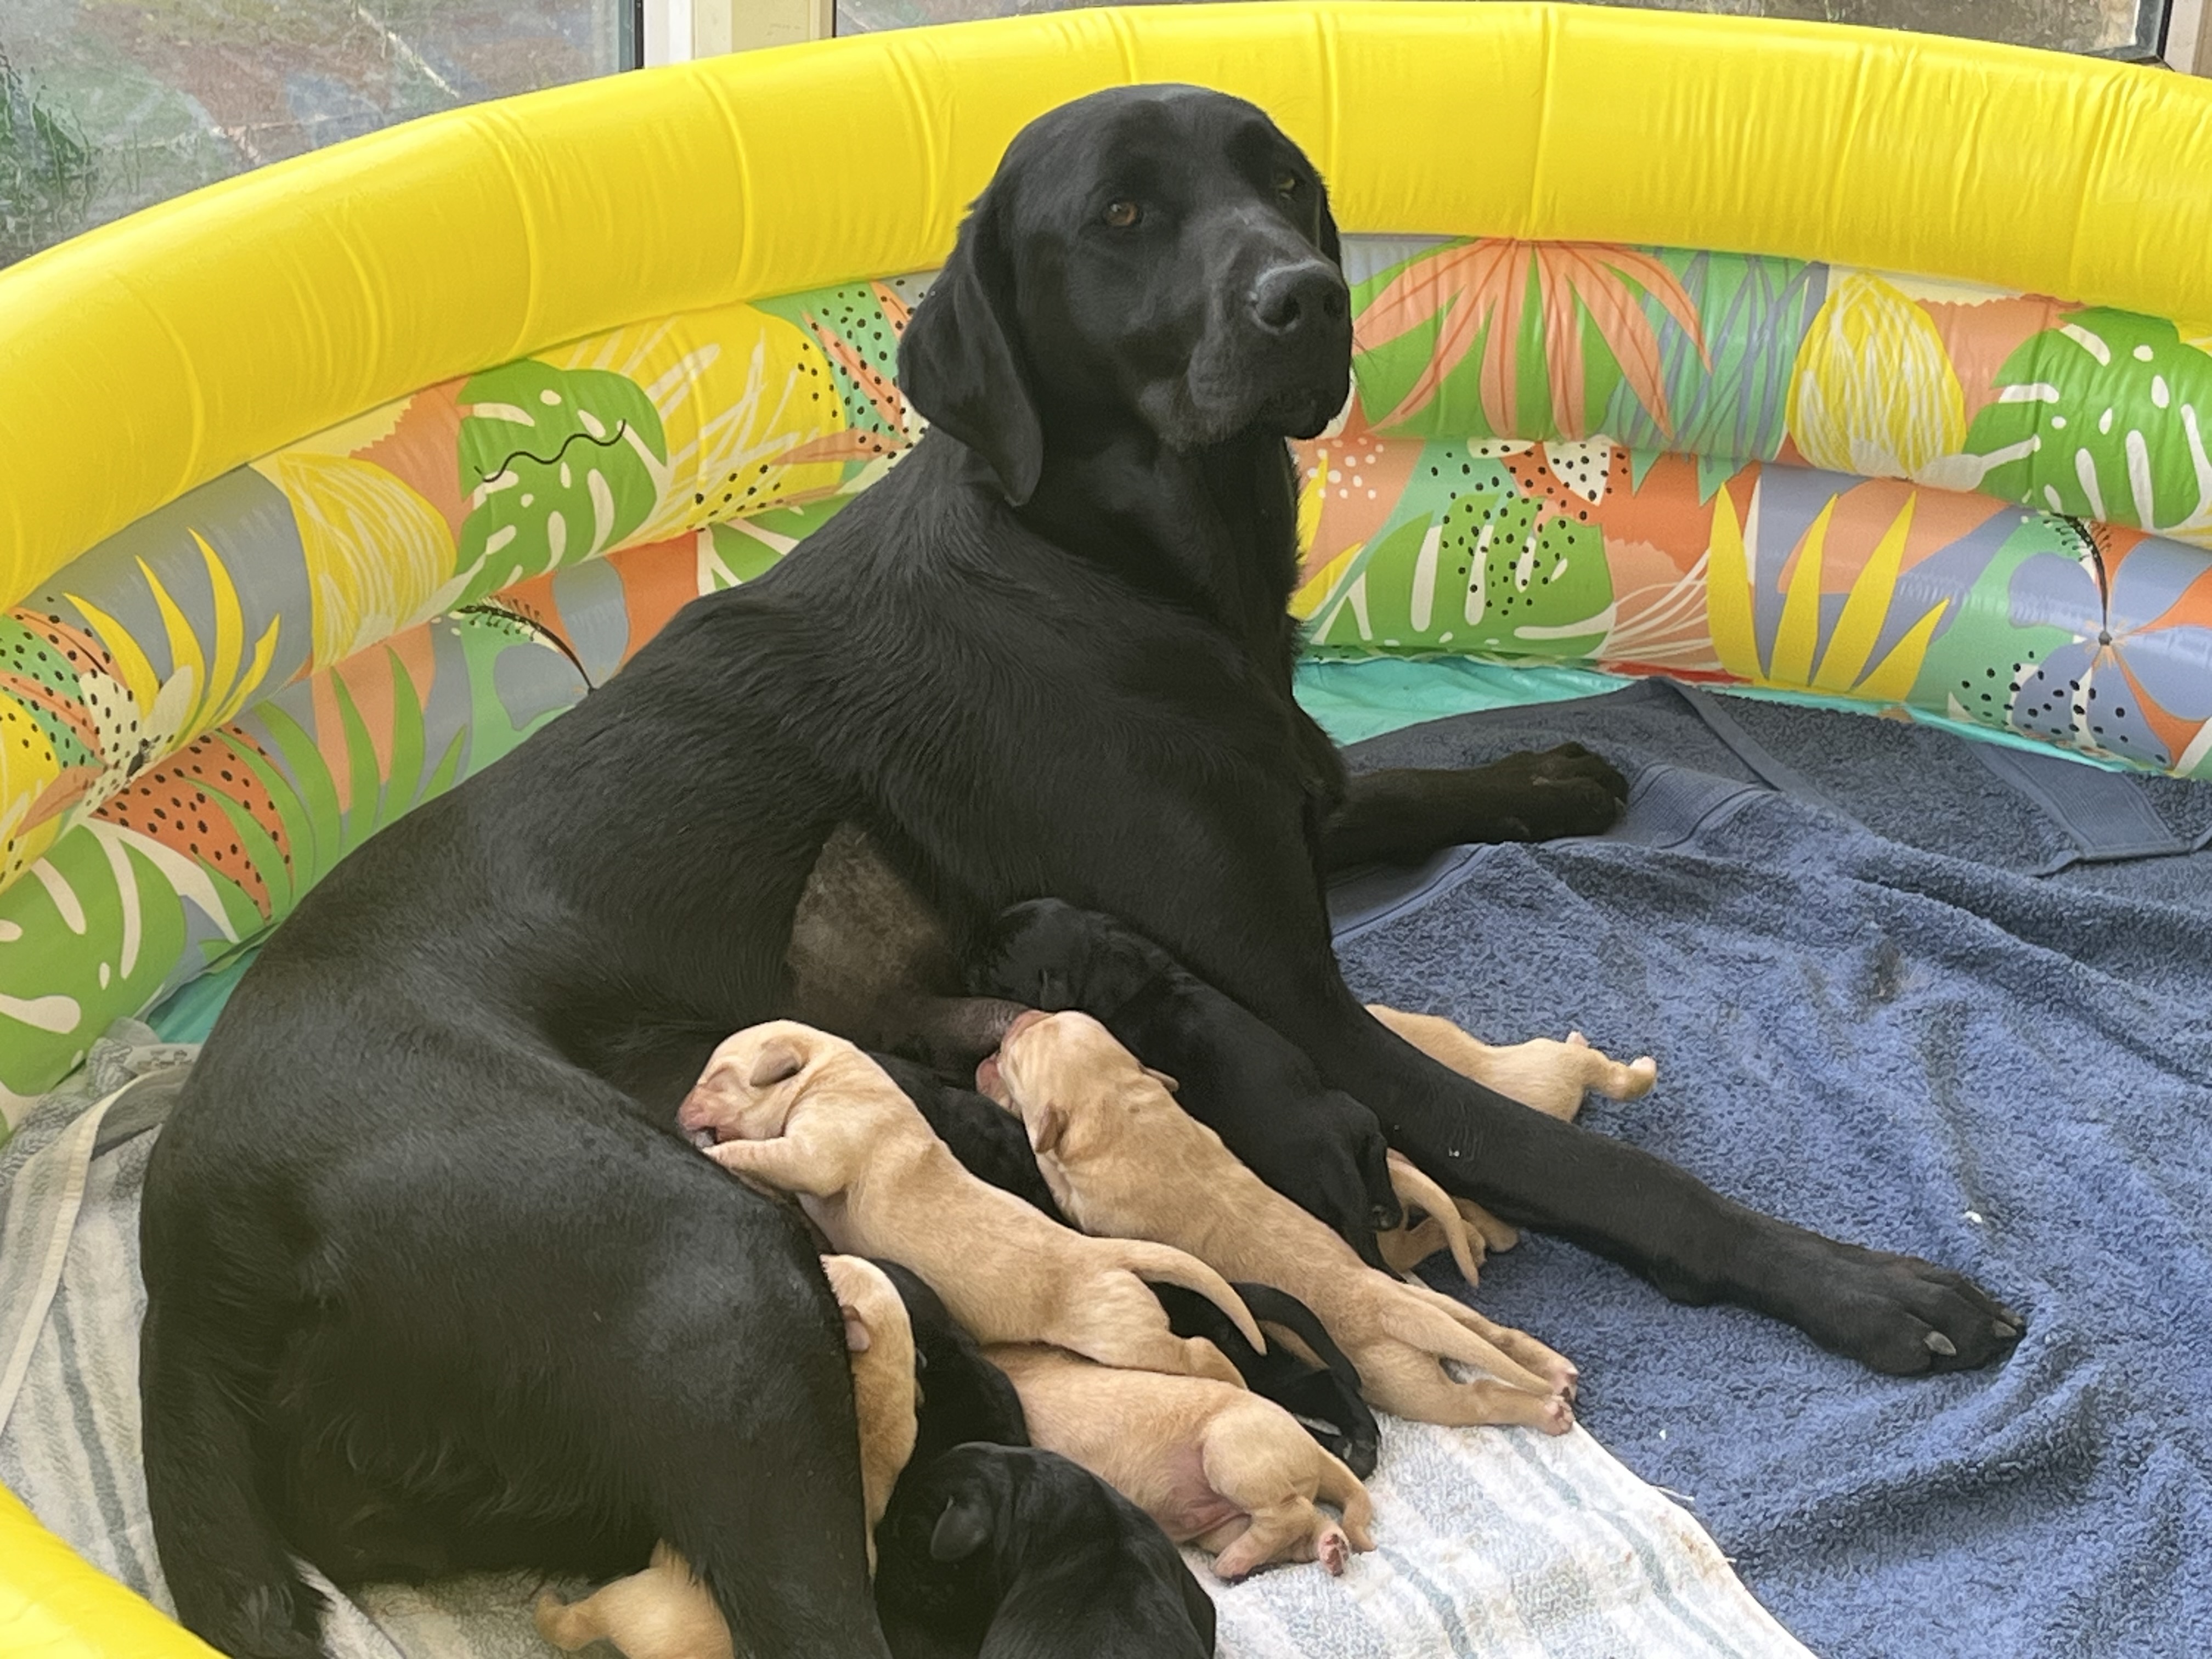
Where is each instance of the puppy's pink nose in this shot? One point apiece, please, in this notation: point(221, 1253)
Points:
point(695, 1112)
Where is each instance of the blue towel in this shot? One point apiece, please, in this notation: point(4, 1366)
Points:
point(1915, 998)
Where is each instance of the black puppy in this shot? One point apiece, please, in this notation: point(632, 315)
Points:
point(991, 1143)
point(964, 1396)
point(431, 1281)
point(1234, 1072)
point(1014, 1554)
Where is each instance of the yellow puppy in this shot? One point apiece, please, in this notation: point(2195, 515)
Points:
point(1230, 1472)
point(663, 1612)
point(1122, 1158)
point(1551, 1076)
point(809, 1114)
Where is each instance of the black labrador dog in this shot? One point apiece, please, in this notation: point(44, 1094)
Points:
point(1008, 1553)
point(433, 1282)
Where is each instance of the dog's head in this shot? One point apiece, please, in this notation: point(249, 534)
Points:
point(982, 1519)
point(1078, 1090)
point(1155, 254)
point(755, 1078)
point(1052, 955)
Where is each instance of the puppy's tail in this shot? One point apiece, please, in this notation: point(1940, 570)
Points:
point(1170, 1266)
point(1340, 1488)
point(1413, 1187)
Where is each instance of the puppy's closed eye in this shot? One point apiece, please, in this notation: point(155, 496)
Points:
point(778, 1061)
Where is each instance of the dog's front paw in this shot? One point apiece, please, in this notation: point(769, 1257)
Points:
point(1906, 1318)
point(1543, 795)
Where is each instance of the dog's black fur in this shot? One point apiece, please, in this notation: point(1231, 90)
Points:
point(433, 1282)
point(964, 1396)
point(1234, 1072)
point(1016, 1553)
point(989, 1141)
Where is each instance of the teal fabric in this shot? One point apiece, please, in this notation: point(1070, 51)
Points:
point(1355, 700)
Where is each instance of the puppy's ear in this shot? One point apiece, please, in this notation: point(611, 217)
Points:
point(778, 1061)
point(1051, 1125)
point(962, 1530)
point(960, 359)
point(1162, 1079)
point(856, 1328)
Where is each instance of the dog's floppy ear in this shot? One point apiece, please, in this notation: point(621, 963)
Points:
point(960, 359)
point(1051, 1125)
point(778, 1061)
point(1162, 1079)
point(1332, 244)
point(962, 1530)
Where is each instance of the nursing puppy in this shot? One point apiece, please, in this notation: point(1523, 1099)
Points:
point(809, 1114)
point(665, 1612)
point(1320, 1386)
point(1551, 1077)
point(1123, 1158)
point(1224, 1469)
point(1236, 1075)
point(1010, 1552)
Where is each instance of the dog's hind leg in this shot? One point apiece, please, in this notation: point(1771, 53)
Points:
point(1132, 1331)
point(1408, 1382)
point(1524, 1350)
point(227, 1565)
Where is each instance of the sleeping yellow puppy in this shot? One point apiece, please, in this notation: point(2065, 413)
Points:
point(1217, 1467)
point(1550, 1076)
point(1123, 1158)
point(809, 1114)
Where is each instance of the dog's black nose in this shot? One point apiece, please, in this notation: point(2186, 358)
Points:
point(1291, 298)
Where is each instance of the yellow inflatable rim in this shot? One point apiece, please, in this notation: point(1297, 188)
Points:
point(148, 357)
point(153, 355)
point(56, 1605)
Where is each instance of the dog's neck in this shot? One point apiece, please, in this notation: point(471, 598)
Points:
point(1214, 530)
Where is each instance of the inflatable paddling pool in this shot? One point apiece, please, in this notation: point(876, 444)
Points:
point(1867, 368)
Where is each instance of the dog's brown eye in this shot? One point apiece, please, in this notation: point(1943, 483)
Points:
point(1286, 184)
point(1121, 215)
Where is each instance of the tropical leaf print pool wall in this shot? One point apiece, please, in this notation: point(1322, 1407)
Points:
point(1744, 471)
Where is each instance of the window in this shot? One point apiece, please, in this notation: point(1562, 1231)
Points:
point(2132, 29)
point(107, 106)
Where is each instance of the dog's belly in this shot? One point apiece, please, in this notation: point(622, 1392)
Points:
point(1186, 1505)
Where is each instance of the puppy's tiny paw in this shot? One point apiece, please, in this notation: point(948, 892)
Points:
point(1332, 1551)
